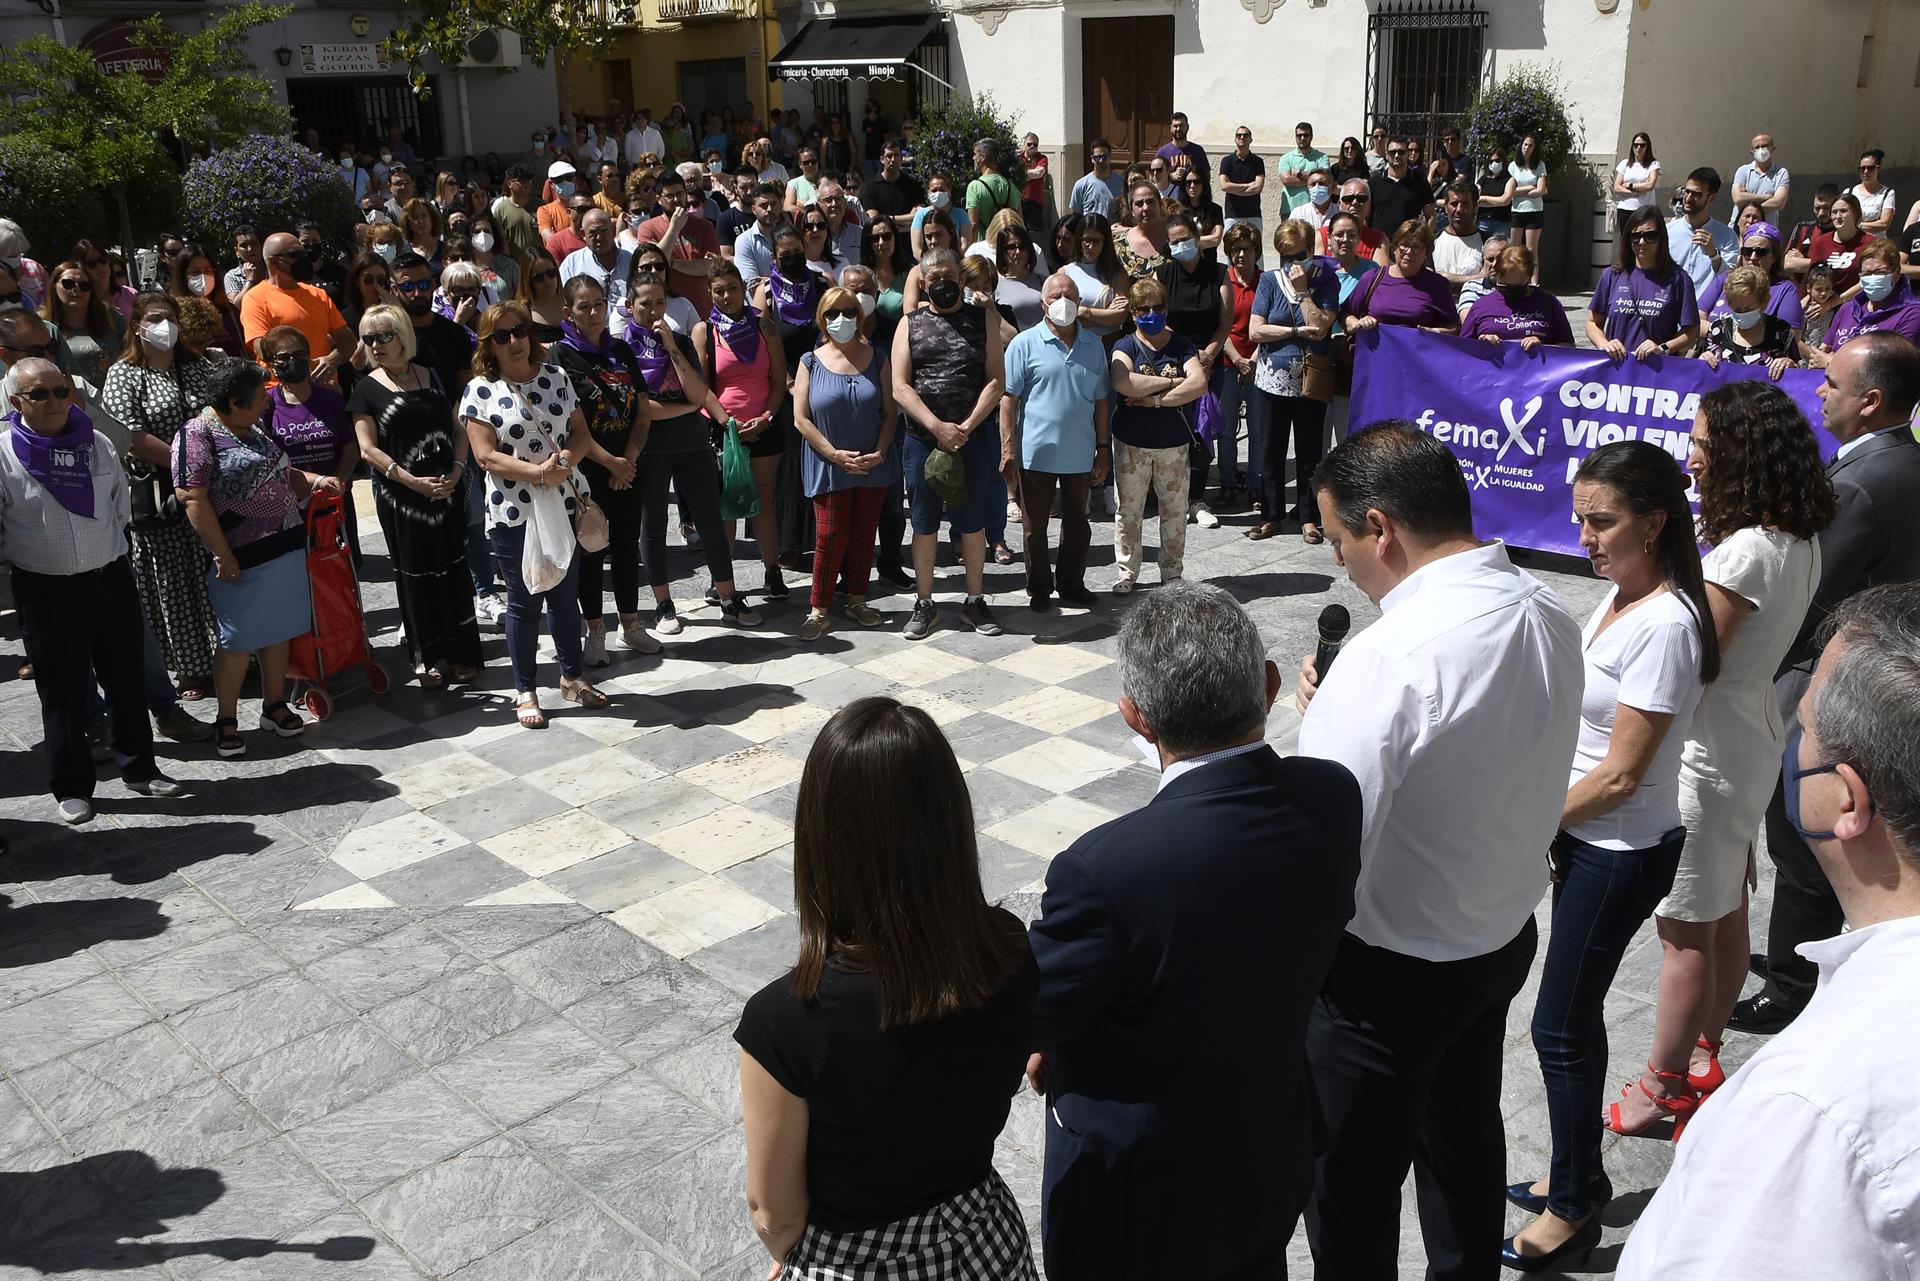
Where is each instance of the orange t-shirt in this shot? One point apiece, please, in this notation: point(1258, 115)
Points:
point(305, 307)
point(554, 216)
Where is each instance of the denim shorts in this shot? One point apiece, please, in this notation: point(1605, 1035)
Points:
point(979, 459)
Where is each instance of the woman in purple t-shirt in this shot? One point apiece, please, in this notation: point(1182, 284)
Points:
point(1644, 304)
point(1408, 292)
point(1516, 308)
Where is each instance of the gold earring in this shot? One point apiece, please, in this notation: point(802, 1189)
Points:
point(1647, 547)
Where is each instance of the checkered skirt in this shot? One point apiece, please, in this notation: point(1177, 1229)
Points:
point(976, 1236)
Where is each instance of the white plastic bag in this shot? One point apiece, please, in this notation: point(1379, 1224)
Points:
point(550, 544)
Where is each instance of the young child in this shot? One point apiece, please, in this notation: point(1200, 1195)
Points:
point(1819, 304)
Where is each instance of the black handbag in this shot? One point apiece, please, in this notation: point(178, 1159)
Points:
point(154, 501)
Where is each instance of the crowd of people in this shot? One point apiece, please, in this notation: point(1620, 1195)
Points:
point(796, 338)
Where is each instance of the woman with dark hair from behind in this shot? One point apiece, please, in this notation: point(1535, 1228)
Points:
point(1764, 499)
point(876, 1076)
point(1649, 648)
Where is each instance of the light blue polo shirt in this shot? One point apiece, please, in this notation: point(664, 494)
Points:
point(1058, 389)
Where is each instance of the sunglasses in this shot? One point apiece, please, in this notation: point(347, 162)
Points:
point(78, 284)
point(39, 394)
point(501, 337)
point(816, 226)
point(1156, 168)
point(1360, 199)
point(1645, 237)
point(413, 286)
point(1754, 251)
point(1868, 168)
point(378, 337)
point(542, 277)
point(1100, 159)
point(851, 313)
point(94, 264)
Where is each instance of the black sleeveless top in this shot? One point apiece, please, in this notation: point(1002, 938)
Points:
point(949, 361)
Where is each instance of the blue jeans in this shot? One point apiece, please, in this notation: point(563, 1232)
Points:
point(523, 611)
point(1233, 393)
point(1601, 900)
point(479, 548)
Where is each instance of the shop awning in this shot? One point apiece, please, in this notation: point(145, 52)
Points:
point(853, 48)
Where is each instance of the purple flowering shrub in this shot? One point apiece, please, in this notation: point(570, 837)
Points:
point(268, 181)
point(1531, 99)
point(947, 135)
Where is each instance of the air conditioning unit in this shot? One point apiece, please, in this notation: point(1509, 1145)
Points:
point(496, 47)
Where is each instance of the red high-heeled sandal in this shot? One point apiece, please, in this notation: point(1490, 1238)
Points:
point(1705, 1083)
point(1676, 1107)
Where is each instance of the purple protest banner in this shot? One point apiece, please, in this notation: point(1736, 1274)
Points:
point(1521, 423)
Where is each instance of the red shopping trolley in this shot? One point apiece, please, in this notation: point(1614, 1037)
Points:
point(338, 641)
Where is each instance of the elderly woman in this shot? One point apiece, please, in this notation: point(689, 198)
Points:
point(748, 383)
point(1644, 304)
point(1649, 647)
point(1516, 308)
point(243, 498)
point(461, 296)
point(1291, 316)
point(844, 410)
point(1409, 292)
point(1762, 246)
point(1155, 370)
point(1747, 335)
point(93, 332)
point(1885, 301)
point(403, 420)
point(310, 422)
point(908, 986)
point(152, 391)
point(527, 432)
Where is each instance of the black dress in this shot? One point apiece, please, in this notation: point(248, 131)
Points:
point(792, 510)
point(426, 539)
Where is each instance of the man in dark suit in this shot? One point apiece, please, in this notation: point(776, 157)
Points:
point(1867, 402)
point(1181, 949)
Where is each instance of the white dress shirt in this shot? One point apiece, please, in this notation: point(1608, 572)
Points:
point(1806, 1163)
point(641, 141)
point(1858, 441)
point(42, 537)
point(1457, 711)
point(1191, 763)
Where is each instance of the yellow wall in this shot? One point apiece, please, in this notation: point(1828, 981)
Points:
point(656, 50)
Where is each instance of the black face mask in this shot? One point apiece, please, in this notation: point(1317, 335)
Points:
point(300, 266)
point(943, 294)
point(793, 265)
point(1514, 293)
point(292, 369)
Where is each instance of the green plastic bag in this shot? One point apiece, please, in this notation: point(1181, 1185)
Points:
point(739, 496)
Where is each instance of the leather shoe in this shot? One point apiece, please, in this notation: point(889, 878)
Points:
point(1523, 1195)
point(1040, 604)
point(1762, 1014)
point(1757, 964)
point(1584, 1238)
point(1076, 596)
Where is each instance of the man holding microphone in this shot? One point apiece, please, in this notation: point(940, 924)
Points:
point(1458, 713)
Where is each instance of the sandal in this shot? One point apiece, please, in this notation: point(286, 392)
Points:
point(526, 709)
point(26, 671)
point(465, 675)
point(1265, 529)
point(226, 737)
point(429, 677)
point(192, 691)
point(1311, 535)
point(1677, 1107)
point(583, 693)
point(1002, 554)
point(281, 719)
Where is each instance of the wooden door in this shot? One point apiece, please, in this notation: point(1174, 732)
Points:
point(619, 83)
point(1126, 74)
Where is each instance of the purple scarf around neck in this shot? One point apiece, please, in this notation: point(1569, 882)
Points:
point(793, 301)
point(656, 363)
point(742, 335)
point(63, 463)
point(570, 335)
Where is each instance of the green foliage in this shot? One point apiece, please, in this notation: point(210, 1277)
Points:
point(269, 181)
point(947, 135)
point(1532, 98)
point(546, 27)
point(113, 126)
point(48, 194)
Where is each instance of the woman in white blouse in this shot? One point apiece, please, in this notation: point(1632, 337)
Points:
point(1876, 200)
point(528, 433)
point(1634, 180)
point(1649, 648)
point(1764, 498)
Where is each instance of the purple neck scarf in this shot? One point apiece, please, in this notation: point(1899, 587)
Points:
point(572, 337)
point(793, 301)
point(656, 363)
point(63, 463)
point(742, 335)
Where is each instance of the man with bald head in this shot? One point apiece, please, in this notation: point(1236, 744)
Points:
point(603, 259)
point(64, 509)
point(1054, 435)
point(288, 296)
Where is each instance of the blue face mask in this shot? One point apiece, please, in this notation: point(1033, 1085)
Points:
point(1876, 285)
point(1790, 775)
point(1184, 250)
point(1151, 323)
point(1747, 319)
point(563, 189)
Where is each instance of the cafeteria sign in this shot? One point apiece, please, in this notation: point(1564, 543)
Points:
point(341, 59)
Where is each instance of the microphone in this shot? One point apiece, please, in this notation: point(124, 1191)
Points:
point(1335, 623)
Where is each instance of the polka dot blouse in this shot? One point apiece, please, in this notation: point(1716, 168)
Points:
point(518, 412)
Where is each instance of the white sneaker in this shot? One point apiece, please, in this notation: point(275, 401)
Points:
point(488, 611)
point(1110, 499)
point(1204, 517)
point(74, 811)
point(593, 649)
point(638, 639)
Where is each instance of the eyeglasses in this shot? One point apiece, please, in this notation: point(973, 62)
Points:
point(1754, 251)
point(40, 394)
point(378, 337)
point(78, 284)
point(413, 286)
point(542, 277)
point(501, 337)
point(1645, 237)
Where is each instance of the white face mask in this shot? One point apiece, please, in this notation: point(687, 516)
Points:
point(1761, 155)
point(161, 334)
point(1747, 319)
point(842, 328)
point(1497, 167)
point(388, 252)
point(1063, 311)
point(386, 157)
point(939, 199)
point(867, 303)
point(483, 241)
point(200, 285)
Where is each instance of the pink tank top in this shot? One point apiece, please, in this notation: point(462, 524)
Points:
point(741, 387)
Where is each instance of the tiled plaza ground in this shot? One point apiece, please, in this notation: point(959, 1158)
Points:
point(426, 995)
